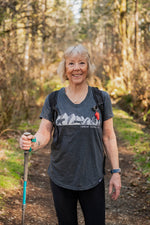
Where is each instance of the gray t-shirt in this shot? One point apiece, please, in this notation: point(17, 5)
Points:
point(76, 160)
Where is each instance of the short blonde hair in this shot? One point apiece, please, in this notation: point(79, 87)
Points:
point(75, 50)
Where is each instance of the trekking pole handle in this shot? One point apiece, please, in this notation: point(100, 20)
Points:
point(32, 140)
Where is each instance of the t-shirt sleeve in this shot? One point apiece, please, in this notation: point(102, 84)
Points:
point(46, 110)
point(108, 113)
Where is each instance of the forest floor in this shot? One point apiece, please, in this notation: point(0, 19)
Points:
point(132, 207)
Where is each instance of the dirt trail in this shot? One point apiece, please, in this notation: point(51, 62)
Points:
point(132, 208)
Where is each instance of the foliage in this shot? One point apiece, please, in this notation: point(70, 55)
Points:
point(11, 167)
point(23, 73)
point(34, 34)
point(135, 138)
point(119, 31)
point(12, 158)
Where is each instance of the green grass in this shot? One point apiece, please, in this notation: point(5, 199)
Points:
point(135, 138)
point(27, 126)
point(11, 164)
point(12, 158)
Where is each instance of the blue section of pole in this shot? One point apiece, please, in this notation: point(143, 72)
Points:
point(24, 192)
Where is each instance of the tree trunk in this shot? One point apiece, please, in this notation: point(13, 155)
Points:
point(116, 26)
point(123, 31)
point(26, 60)
point(123, 9)
point(136, 41)
point(44, 4)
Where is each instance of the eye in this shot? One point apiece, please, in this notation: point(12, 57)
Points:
point(71, 64)
point(82, 63)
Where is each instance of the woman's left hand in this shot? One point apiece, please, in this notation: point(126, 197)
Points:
point(115, 186)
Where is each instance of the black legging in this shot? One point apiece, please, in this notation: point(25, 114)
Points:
point(92, 202)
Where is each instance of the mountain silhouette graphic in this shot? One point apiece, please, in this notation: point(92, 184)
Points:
point(72, 119)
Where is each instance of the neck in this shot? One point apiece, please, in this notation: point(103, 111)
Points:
point(77, 93)
point(77, 88)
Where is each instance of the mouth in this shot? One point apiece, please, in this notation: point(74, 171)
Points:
point(76, 75)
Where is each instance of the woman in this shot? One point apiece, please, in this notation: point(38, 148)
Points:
point(76, 162)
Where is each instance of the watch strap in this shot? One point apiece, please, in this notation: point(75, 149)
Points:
point(115, 171)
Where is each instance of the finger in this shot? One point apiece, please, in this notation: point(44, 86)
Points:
point(25, 144)
point(113, 195)
point(30, 137)
point(116, 193)
point(110, 188)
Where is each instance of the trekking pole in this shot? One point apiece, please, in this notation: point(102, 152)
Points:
point(26, 157)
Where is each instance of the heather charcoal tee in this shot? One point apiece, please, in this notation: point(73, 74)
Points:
point(76, 160)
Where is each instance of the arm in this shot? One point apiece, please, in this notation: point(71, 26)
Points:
point(110, 143)
point(43, 136)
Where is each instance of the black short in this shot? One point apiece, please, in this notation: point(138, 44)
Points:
point(92, 203)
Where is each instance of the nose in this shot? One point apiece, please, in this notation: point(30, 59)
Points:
point(76, 66)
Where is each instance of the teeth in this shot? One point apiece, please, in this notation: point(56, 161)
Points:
point(76, 75)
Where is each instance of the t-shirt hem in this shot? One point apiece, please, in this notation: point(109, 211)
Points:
point(43, 117)
point(77, 188)
point(109, 117)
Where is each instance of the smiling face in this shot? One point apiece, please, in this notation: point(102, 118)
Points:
point(76, 69)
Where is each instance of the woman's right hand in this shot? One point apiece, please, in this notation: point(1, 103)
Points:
point(25, 142)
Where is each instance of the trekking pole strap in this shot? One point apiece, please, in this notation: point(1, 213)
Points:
point(32, 140)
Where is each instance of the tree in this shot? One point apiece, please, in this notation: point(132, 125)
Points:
point(136, 39)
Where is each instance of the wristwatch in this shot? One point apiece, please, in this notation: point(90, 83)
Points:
point(116, 171)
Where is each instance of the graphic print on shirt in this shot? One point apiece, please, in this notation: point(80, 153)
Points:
point(65, 119)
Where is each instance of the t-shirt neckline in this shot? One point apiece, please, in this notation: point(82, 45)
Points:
point(74, 104)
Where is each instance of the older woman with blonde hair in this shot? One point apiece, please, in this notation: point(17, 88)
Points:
point(79, 49)
point(81, 131)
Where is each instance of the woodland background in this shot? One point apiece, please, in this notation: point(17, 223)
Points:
point(33, 37)
point(34, 34)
